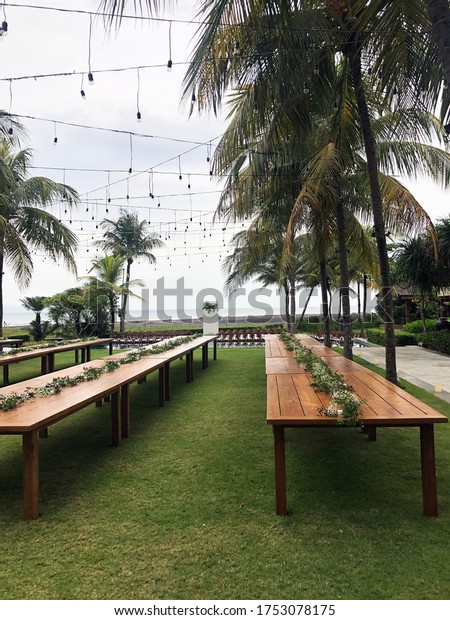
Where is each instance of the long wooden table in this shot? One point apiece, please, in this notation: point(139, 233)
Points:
point(47, 355)
point(32, 419)
point(293, 402)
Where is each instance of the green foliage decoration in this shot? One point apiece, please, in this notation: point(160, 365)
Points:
point(344, 405)
point(13, 400)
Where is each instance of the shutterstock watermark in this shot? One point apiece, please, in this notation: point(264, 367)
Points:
point(179, 304)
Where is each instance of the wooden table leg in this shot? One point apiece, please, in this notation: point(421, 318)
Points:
point(51, 362)
point(83, 355)
point(205, 356)
point(125, 410)
point(77, 356)
point(44, 364)
point(88, 353)
point(162, 386)
point(115, 418)
point(371, 433)
point(428, 460)
point(189, 367)
point(111, 347)
point(6, 374)
point(167, 380)
point(30, 448)
point(215, 349)
point(280, 470)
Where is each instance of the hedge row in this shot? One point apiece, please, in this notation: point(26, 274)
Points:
point(437, 341)
point(402, 339)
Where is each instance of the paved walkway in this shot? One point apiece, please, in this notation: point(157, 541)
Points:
point(426, 369)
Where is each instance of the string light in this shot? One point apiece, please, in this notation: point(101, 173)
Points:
point(138, 113)
point(90, 75)
point(82, 93)
point(4, 28)
point(55, 139)
point(169, 62)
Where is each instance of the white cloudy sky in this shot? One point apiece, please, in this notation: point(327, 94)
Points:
point(45, 42)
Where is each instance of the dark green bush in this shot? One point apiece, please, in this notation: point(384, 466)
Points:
point(402, 339)
point(416, 327)
point(437, 341)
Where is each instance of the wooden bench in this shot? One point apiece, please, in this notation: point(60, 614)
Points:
point(293, 402)
point(47, 355)
point(31, 419)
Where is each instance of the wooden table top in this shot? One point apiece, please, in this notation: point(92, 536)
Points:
point(26, 355)
point(45, 411)
point(291, 400)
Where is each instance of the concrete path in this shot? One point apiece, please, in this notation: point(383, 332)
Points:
point(426, 369)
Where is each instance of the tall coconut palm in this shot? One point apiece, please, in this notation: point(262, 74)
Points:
point(128, 237)
point(25, 226)
point(107, 281)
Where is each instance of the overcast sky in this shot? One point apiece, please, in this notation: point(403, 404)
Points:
point(45, 42)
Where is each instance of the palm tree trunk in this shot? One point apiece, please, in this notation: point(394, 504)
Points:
point(377, 210)
point(439, 13)
point(307, 302)
point(359, 301)
point(293, 308)
point(286, 302)
point(422, 311)
point(325, 312)
point(1, 294)
point(364, 308)
point(112, 312)
point(125, 296)
point(345, 285)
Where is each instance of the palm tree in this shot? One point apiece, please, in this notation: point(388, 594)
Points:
point(108, 273)
point(35, 304)
point(415, 266)
point(24, 224)
point(439, 13)
point(38, 329)
point(128, 238)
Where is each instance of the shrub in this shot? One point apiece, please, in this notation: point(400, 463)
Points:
point(402, 339)
point(437, 341)
point(416, 327)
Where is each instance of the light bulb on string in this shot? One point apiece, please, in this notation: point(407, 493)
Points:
point(90, 75)
point(305, 88)
point(138, 113)
point(169, 62)
point(55, 139)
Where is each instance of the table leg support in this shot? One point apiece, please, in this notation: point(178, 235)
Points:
point(125, 410)
point(44, 364)
point(280, 470)
point(162, 386)
point(51, 362)
point(30, 448)
point(116, 419)
point(167, 380)
point(205, 356)
point(429, 489)
point(189, 367)
point(6, 374)
point(215, 350)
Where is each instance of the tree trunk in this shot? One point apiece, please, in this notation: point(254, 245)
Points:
point(422, 311)
point(359, 302)
point(325, 311)
point(377, 209)
point(439, 13)
point(345, 285)
point(1, 294)
point(112, 312)
point(286, 303)
point(293, 308)
point(125, 296)
point(364, 308)
point(307, 302)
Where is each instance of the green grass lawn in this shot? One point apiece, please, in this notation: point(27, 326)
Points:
point(184, 509)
